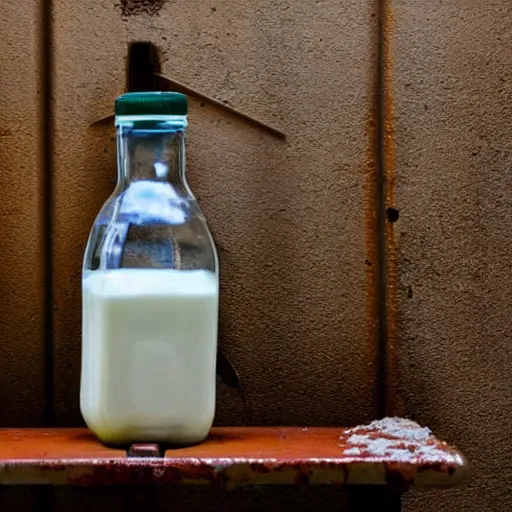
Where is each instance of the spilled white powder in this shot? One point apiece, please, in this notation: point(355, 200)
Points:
point(396, 439)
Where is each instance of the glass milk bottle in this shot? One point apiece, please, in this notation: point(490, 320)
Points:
point(150, 289)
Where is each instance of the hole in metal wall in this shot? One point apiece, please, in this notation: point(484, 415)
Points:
point(143, 66)
point(392, 214)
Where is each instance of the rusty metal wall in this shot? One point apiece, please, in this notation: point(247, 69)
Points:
point(22, 392)
point(296, 220)
point(450, 80)
point(288, 215)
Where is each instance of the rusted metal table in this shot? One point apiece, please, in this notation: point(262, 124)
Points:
point(375, 464)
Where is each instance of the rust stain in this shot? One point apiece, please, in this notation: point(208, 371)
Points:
point(139, 7)
point(389, 176)
point(302, 475)
point(399, 477)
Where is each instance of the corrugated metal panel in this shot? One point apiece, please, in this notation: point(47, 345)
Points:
point(288, 215)
point(452, 88)
point(21, 235)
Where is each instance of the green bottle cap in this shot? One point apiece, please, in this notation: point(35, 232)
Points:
point(151, 103)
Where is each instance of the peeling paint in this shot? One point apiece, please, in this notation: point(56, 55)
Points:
point(240, 456)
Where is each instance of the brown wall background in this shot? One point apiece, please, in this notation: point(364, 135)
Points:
point(22, 379)
point(296, 221)
point(452, 86)
point(286, 214)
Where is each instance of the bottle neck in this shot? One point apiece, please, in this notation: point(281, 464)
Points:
point(152, 149)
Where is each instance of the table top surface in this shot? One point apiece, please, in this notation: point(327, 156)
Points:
point(392, 452)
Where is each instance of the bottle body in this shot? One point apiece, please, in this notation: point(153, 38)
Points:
point(150, 300)
point(149, 348)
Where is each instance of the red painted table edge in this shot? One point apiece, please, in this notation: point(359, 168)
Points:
point(274, 455)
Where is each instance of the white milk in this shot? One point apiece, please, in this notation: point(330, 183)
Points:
point(149, 346)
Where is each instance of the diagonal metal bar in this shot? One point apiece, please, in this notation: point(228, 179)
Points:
point(169, 83)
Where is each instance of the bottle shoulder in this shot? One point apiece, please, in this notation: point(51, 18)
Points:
point(150, 227)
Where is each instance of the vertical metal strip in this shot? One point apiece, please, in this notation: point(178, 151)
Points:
point(386, 215)
point(47, 203)
point(381, 171)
